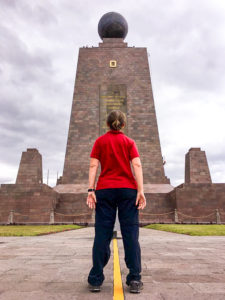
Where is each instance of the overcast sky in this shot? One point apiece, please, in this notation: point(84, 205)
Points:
point(39, 43)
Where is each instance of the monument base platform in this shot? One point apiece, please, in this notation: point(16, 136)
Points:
point(66, 204)
point(73, 199)
point(199, 202)
point(23, 204)
point(82, 188)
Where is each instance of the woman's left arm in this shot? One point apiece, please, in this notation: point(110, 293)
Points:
point(91, 198)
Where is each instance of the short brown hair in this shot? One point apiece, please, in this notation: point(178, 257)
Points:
point(116, 119)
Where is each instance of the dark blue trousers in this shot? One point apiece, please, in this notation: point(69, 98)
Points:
point(105, 214)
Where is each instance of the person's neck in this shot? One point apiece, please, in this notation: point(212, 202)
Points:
point(115, 131)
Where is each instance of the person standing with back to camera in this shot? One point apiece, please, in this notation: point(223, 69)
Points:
point(116, 187)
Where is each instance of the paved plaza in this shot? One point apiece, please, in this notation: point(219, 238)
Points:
point(56, 266)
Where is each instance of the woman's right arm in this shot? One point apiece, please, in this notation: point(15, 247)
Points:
point(137, 166)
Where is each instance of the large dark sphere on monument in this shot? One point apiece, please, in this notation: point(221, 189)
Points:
point(112, 25)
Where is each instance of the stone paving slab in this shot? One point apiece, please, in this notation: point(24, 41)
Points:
point(52, 266)
point(176, 266)
point(56, 266)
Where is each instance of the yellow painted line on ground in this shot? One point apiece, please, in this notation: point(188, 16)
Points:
point(118, 287)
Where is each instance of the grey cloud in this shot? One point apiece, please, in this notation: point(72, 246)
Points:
point(5, 179)
point(25, 66)
point(9, 4)
point(186, 50)
point(39, 13)
point(217, 157)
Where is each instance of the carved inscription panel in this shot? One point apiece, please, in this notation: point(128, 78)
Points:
point(111, 97)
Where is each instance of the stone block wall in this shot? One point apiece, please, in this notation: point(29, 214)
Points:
point(196, 201)
point(31, 203)
point(72, 207)
point(160, 208)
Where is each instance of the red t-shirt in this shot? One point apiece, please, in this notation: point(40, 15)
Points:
point(115, 150)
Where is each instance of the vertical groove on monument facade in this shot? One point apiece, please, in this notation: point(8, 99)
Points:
point(93, 73)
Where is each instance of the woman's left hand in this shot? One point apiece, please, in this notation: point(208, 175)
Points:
point(91, 200)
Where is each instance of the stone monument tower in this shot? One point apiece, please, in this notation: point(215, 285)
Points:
point(112, 76)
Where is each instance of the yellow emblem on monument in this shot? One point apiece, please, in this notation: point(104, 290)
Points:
point(112, 63)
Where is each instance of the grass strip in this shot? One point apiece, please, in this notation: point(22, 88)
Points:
point(34, 230)
point(191, 229)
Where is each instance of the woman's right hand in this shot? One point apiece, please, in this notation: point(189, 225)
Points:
point(141, 200)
